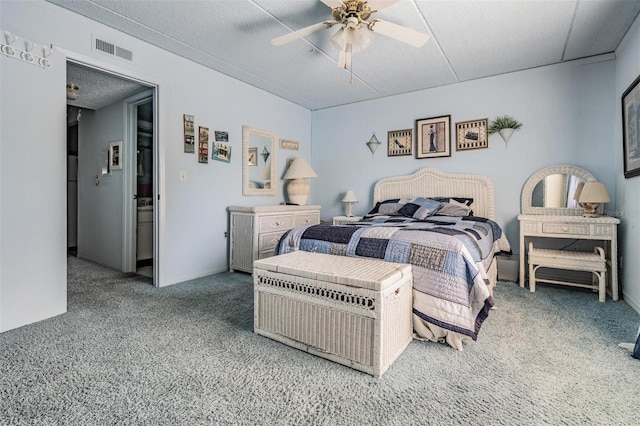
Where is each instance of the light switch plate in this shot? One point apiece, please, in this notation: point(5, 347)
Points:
point(183, 176)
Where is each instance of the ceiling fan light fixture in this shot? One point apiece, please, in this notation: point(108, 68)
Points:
point(72, 91)
point(358, 39)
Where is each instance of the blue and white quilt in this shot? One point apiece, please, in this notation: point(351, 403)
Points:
point(448, 255)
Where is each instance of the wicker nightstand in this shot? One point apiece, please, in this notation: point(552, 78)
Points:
point(343, 220)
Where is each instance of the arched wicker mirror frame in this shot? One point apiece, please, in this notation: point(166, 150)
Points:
point(529, 186)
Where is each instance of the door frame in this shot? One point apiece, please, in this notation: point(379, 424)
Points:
point(129, 208)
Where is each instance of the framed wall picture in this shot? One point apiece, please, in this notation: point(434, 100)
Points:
point(203, 144)
point(221, 152)
point(221, 135)
point(631, 129)
point(115, 155)
point(472, 134)
point(189, 137)
point(399, 142)
point(289, 145)
point(433, 137)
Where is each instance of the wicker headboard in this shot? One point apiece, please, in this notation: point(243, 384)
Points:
point(434, 183)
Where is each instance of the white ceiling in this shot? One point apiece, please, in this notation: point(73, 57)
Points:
point(470, 39)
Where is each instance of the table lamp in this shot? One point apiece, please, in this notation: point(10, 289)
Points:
point(349, 199)
point(593, 194)
point(298, 187)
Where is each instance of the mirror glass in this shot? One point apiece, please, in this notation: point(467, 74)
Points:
point(556, 190)
point(258, 154)
point(550, 191)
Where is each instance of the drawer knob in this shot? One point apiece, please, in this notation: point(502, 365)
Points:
point(276, 223)
point(565, 228)
point(306, 221)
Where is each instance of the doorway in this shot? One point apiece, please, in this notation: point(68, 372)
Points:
point(108, 109)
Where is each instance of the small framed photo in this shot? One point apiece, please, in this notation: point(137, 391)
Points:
point(221, 136)
point(203, 144)
point(472, 134)
point(253, 157)
point(399, 142)
point(433, 137)
point(631, 129)
point(221, 152)
point(289, 145)
point(115, 155)
point(189, 137)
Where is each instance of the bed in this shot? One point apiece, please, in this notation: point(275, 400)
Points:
point(452, 257)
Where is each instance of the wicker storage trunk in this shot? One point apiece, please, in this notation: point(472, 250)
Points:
point(353, 311)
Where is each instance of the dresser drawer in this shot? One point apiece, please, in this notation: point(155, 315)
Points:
point(269, 241)
point(565, 228)
point(275, 223)
point(306, 219)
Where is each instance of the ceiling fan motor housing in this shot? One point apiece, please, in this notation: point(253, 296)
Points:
point(356, 9)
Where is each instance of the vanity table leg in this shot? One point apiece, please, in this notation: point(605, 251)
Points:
point(614, 264)
point(522, 255)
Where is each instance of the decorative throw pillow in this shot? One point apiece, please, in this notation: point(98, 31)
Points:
point(376, 209)
point(454, 208)
point(467, 201)
point(420, 208)
point(389, 207)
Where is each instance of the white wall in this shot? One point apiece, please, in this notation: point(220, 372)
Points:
point(100, 218)
point(628, 190)
point(568, 113)
point(33, 190)
point(193, 216)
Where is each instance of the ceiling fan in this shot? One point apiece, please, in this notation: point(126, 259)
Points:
point(357, 30)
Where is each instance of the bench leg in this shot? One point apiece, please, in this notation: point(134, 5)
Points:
point(532, 278)
point(602, 286)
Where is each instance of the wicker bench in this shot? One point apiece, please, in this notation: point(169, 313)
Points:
point(353, 311)
point(595, 263)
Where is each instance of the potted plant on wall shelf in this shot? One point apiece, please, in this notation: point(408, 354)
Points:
point(504, 125)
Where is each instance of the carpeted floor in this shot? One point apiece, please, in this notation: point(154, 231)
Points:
point(127, 353)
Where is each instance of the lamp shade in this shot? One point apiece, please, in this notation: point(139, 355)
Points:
point(299, 169)
point(594, 192)
point(349, 197)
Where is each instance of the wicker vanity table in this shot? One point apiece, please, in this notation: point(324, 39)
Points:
point(565, 222)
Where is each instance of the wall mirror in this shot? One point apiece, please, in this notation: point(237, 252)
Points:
point(550, 191)
point(258, 154)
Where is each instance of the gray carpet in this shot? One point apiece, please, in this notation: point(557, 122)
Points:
point(127, 353)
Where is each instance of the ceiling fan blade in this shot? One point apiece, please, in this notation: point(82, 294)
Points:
point(381, 4)
point(332, 3)
point(398, 32)
point(279, 41)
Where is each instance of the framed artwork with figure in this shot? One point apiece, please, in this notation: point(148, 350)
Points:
point(433, 137)
point(631, 129)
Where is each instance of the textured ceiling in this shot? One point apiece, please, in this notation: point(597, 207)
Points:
point(470, 39)
point(98, 89)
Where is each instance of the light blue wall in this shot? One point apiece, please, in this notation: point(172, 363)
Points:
point(193, 216)
point(568, 113)
point(628, 190)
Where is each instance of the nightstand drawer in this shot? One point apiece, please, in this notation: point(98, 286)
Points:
point(565, 228)
point(275, 223)
point(306, 219)
point(270, 240)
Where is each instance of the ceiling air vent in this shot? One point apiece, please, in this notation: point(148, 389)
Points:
point(124, 53)
point(112, 49)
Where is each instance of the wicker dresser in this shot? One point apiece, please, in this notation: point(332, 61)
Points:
point(255, 231)
point(354, 311)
